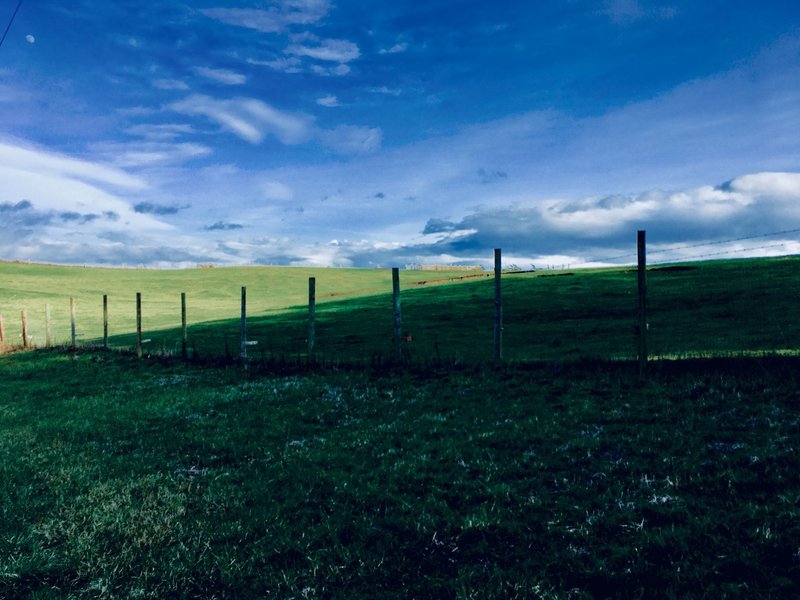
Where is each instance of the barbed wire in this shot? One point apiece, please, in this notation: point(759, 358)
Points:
point(664, 250)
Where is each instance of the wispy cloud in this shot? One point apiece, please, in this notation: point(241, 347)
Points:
point(160, 131)
point(396, 49)
point(290, 64)
point(248, 118)
point(150, 152)
point(352, 140)
point(329, 101)
point(341, 51)
point(29, 159)
point(223, 76)
point(253, 120)
point(170, 84)
point(272, 20)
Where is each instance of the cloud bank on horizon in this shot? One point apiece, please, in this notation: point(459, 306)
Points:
point(306, 132)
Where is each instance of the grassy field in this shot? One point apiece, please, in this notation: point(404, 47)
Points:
point(153, 479)
point(714, 308)
point(558, 474)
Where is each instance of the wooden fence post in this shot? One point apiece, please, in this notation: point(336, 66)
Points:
point(641, 248)
point(48, 337)
point(2, 332)
point(498, 306)
point(243, 329)
point(24, 328)
point(184, 337)
point(312, 315)
point(398, 322)
point(139, 324)
point(105, 321)
point(72, 322)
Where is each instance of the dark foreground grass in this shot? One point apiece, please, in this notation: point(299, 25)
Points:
point(126, 479)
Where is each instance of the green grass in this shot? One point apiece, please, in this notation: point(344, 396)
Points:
point(704, 309)
point(153, 479)
point(556, 475)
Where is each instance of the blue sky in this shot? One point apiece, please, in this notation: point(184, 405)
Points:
point(355, 133)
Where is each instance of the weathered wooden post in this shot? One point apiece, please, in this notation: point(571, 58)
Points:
point(25, 329)
point(184, 337)
point(72, 322)
point(642, 292)
point(243, 329)
point(312, 316)
point(498, 306)
point(398, 322)
point(48, 337)
point(2, 332)
point(105, 321)
point(139, 324)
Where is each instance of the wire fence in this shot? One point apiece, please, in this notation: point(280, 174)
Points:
point(711, 308)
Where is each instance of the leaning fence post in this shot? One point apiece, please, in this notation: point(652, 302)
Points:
point(184, 352)
point(72, 322)
point(25, 329)
point(398, 323)
point(105, 320)
point(139, 324)
point(498, 306)
point(243, 329)
point(312, 315)
point(641, 248)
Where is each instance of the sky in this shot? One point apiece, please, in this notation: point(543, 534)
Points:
point(377, 134)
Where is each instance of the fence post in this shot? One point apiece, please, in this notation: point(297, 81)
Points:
point(139, 324)
point(184, 337)
point(72, 322)
point(641, 248)
point(24, 328)
point(398, 323)
point(48, 338)
point(105, 321)
point(312, 315)
point(243, 329)
point(498, 306)
point(2, 332)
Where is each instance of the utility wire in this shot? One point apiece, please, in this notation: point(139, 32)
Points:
point(5, 33)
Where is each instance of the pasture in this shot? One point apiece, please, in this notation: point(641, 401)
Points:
point(557, 474)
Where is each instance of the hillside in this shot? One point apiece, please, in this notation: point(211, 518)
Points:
point(712, 308)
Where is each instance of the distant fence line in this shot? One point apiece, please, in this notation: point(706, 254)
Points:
point(397, 329)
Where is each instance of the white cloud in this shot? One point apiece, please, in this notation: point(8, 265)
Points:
point(161, 131)
point(341, 51)
point(272, 20)
point(274, 190)
point(150, 153)
point(329, 101)
point(31, 160)
point(169, 84)
point(248, 118)
point(291, 64)
point(30, 39)
point(223, 76)
point(775, 185)
point(352, 140)
point(396, 49)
